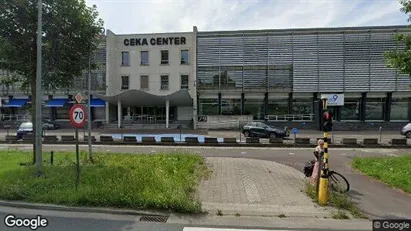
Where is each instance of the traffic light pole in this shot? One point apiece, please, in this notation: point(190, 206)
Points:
point(323, 188)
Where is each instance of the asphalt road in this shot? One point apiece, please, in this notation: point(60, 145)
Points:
point(375, 199)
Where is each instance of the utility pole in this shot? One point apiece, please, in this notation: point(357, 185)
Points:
point(90, 151)
point(38, 124)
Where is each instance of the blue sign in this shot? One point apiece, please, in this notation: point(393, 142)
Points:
point(295, 130)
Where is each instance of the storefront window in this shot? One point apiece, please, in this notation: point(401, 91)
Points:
point(401, 108)
point(278, 107)
point(302, 106)
point(231, 106)
point(62, 113)
point(208, 107)
point(254, 107)
point(351, 109)
point(374, 109)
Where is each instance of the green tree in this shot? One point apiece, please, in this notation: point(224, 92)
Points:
point(401, 59)
point(71, 32)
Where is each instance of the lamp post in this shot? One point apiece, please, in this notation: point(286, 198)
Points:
point(90, 152)
point(38, 125)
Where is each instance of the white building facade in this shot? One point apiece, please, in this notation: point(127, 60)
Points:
point(151, 79)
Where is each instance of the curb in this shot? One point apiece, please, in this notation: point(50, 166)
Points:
point(255, 145)
point(25, 205)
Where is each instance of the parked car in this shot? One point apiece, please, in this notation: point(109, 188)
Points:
point(406, 130)
point(49, 125)
point(262, 130)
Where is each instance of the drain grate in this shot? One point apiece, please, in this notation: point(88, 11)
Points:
point(160, 219)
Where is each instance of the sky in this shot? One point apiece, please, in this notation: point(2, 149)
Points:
point(161, 16)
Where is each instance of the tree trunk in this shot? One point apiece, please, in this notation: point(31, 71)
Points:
point(33, 112)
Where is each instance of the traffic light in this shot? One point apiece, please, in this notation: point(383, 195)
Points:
point(328, 121)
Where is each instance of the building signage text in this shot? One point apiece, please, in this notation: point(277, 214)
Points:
point(155, 41)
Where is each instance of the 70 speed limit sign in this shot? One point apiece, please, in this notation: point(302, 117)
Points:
point(78, 115)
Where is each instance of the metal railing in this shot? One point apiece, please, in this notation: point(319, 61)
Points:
point(291, 117)
point(11, 117)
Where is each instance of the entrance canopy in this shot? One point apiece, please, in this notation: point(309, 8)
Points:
point(143, 98)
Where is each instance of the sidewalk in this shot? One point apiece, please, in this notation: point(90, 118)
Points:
point(249, 187)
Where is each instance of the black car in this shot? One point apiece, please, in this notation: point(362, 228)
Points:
point(262, 130)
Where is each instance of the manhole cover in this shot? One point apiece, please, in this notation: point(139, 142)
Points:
point(154, 219)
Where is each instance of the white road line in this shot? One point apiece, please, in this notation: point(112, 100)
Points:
point(291, 153)
point(243, 153)
point(343, 154)
point(217, 229)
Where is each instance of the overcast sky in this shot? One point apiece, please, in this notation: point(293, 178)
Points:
point(157, 16)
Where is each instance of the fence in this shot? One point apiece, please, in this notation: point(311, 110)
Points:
point(291, 117)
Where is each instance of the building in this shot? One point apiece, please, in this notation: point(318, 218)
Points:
point(224, 78)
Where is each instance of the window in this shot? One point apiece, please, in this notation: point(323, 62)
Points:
point(184, 81)
point(125, 58)
point(208, 107)
point(144, 82)
point(164, 82)
point(400, 108)
point(351, 109)
point(184, 57)
point(374, 109)
point(231, 107)
point(254, 107)
point(302, 107)
point(144, 58)
point(124, 82)
point(164, 57)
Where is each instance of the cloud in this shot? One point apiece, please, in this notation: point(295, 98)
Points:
point(159, 16)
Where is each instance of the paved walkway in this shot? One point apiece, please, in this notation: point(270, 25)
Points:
point(257, 187)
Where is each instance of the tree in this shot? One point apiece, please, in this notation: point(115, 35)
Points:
point(401, 59)
point(71, 32)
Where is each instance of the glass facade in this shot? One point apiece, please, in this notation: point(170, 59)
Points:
point(400, 109)
point(277, 106)
point(208, 106)
point(254, 107)
point(302, 106)
point(375, 108)
point(351, 109)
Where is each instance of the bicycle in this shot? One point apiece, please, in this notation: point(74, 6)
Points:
point(336, 181)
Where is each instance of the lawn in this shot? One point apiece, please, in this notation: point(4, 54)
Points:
point(394, 171)
point(145, 181)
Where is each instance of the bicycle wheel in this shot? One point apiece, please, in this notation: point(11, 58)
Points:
point(338, 182)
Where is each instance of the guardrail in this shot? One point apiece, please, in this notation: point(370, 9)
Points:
point(211, 141)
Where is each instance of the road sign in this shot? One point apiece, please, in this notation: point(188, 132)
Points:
point(78, 98)
point(78, 115)
point(295, 130)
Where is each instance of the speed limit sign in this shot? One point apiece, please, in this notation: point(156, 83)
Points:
point(78, 115)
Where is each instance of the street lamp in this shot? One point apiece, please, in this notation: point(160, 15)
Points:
point(38, 125)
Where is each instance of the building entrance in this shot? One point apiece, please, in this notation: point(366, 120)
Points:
point(145, 114)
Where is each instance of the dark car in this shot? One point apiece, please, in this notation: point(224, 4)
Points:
point(49, 125)
point(262, 130)
point(406, 130)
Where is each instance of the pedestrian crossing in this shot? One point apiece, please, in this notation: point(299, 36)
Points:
point(221, 229)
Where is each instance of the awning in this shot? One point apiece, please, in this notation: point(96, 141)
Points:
point(16, 103)
point(97, 103)
point(56, 103)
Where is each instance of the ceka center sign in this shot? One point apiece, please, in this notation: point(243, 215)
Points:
point(334, 99)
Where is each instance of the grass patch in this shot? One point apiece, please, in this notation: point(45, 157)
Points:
point(282, 215)
point(340, 215)
point(340, 201)
point(163, 181)
point(394, 171)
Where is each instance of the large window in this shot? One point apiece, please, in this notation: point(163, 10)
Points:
point(254, 107)
point(184, 82)
point(144, 58)
point(208, 107)
point(184, 57)
point(144, 82)
point(231, 107)
point(278, 107)
point(125, 58)
point(374, 109)
point(124, 83)
point(302, 106)
point(164, 82)
point(62, 113)
point(164, 57)
point(351, 109)
point(401, 109)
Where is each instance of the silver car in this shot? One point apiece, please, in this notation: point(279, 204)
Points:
point(406, 130)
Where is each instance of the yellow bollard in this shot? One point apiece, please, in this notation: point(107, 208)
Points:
point(323, 188)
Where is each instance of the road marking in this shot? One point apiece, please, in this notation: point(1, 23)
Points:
point(395, 155)
point(216, 229)
point(153, 151)
point(291, 153)
point(243, 153)
point(343, 154)
point(108, 150)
